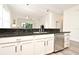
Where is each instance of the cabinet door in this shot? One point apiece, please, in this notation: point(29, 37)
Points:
point(66, 40)
point(39, 47)
point(8, 50)
point(26, 48)
point(0, 16)
point(26, 38)
point(8, 40)
point(8, 45)
point(49, 46)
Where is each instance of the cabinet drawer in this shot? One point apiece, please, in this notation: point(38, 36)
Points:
point(66, 40)
point(66, 43)
point(27, 38)
point(44, 36)
point(8, 39)
point(67, 34)
point(3, 45)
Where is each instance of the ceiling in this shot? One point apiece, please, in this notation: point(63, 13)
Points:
point(38, 10)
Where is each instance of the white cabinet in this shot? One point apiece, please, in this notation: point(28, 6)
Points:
point(8, 50)
point(44, 47)
point(8, 45)
point(4, 17)
point(44, 44)
point(8, 40)
point(66, 40)
point(0, 16)
point(50, 20)
point(27, 45)
point(27, 48)
point(26, 38)
point(39, 47)
point(49, 46)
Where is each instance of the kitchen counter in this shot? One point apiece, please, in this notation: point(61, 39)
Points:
point(25, 32)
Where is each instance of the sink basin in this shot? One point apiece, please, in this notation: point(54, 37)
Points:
point(39, 32)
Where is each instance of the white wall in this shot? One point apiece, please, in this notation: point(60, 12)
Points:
point(71, 22)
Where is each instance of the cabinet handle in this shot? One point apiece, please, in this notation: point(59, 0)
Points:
point(21, 47)
point(15, 48)
point(44, 44)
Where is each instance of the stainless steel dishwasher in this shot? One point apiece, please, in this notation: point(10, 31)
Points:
point(59, 42)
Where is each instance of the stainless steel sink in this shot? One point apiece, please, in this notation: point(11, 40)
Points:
point(39, 32)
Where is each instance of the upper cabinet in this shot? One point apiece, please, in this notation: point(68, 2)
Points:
point(0, 16)
point(52, 20)
point(4, 17)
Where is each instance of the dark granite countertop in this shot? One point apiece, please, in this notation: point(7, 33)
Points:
point(13, 32)
point(64, 32)
point(28, 34)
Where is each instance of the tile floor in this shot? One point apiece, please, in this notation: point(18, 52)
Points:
point(72, 50)
point(66, 52)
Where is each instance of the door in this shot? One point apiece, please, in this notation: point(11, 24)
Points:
point(27, 48)
point(49, 46)
point(39, 47)
point(8, 49)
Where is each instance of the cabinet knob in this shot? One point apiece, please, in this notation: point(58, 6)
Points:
point(15, 48)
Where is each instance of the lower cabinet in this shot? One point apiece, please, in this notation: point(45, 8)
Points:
point(44, 47)
point(49, 47)
point(39, 47)
point(8, 50)
point(8, 46)
point(27, 48)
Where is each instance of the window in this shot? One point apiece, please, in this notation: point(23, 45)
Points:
point(4, 17)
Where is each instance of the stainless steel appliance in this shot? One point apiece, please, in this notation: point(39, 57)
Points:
point(59, 42)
